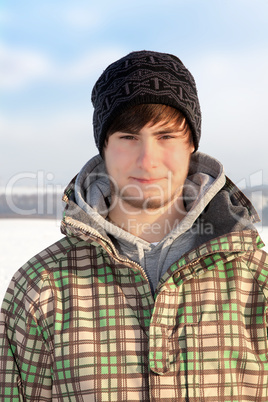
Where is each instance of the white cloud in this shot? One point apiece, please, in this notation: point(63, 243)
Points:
point(5, 17)
point(234, 86)
point(81, 19)
point(21, 68)
point(31, 143)
point(25, 128)
point(232, 89)
point(89, 65)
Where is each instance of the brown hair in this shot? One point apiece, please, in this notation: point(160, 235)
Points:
point(136, 117)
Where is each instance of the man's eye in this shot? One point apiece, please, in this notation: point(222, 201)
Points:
point(166, 137)
point(127, 137)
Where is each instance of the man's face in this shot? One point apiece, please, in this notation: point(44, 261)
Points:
point(147, 170)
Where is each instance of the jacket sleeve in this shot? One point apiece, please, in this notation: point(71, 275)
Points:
point(25, 359)
point(258, 265)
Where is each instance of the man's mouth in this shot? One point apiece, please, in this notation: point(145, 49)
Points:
point(143, 180)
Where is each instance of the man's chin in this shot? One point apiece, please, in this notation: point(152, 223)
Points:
point(144, 201)
point(150, 204)
point(144, 204)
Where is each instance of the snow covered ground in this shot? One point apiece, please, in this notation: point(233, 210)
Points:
point(21, 239)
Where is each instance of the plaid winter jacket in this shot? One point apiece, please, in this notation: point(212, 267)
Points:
point(79, 323)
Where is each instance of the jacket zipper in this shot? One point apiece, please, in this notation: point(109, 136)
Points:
point(85, 229)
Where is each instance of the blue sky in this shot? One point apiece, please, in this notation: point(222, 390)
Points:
point(52, 52)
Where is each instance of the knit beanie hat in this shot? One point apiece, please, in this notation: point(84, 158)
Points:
point(144, 77)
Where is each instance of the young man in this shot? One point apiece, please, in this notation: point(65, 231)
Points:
point(158, 291)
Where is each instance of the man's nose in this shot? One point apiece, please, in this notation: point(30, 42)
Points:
point(148, 155)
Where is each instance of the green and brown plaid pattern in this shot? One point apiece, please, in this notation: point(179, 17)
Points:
point(79, 325)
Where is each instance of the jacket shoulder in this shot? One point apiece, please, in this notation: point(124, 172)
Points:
point(29, 281)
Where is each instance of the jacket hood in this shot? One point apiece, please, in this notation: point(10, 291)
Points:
point(207, 191)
